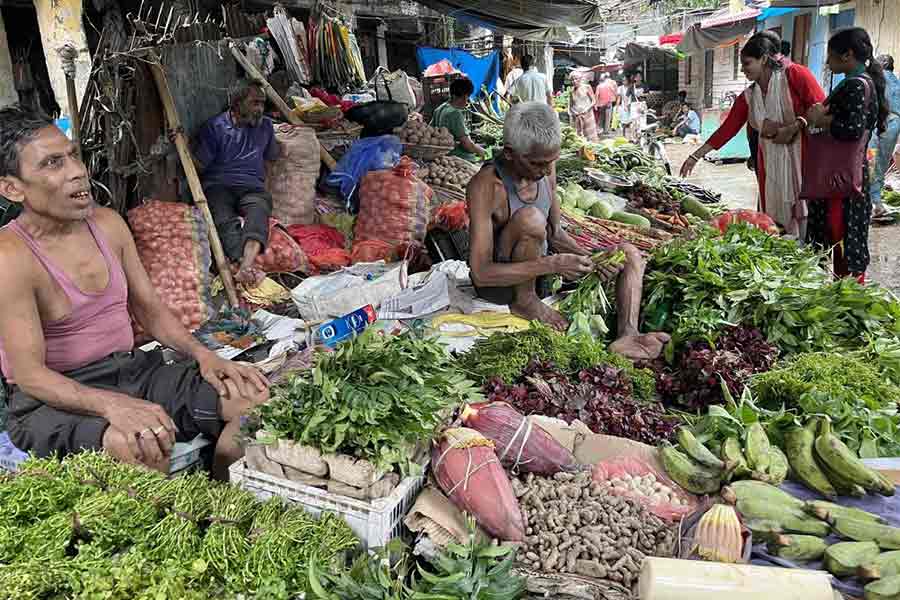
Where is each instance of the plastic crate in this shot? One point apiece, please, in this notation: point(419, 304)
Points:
point(10, 456)
point(374, 522)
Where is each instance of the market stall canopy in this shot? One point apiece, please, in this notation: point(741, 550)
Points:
point(634, 53)
point(804, 3)
point(721, 29)
point(560, 20)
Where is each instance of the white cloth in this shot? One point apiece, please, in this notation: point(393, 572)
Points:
point(782, 161)
point(531, 86)
point(512, 77)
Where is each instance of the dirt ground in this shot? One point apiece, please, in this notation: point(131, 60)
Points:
point(737, 184)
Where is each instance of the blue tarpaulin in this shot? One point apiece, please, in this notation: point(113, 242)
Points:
point(480, 71)
point(769, 13)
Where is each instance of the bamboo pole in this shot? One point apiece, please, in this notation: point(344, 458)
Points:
point(190, 171)
point(68, 54)
point(276, 99)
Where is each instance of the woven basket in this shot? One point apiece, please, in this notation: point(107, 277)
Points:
point(421, 152)
point(349, 134)
point(443, 195)
point(320, 116)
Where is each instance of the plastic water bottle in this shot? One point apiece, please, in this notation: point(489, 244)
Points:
point(349, 326)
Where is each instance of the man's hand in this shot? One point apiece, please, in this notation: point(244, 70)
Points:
point(173, 133)
point(571, 266)
point(148, 430)
point(247, 379)
point(769, 129)
point(609, 271)
point(786, 135)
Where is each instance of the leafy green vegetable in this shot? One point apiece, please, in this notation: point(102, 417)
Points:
point(587, 307)
point(745, 277)
point(506, 355)
point(373, 398)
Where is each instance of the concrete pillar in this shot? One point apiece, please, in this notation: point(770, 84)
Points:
point(8, 93)
point(60, 23)
point(380, 34)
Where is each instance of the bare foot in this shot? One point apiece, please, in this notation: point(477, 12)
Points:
point(535, 310)
point(646, 346)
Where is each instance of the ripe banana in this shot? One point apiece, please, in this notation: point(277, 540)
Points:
point(718, 535)
point(688, 474)
point(757, 448)
point(799, 443)
point(697, 451)
point(798, 547)
point(842, 460)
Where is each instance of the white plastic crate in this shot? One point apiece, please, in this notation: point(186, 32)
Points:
point(374, 522)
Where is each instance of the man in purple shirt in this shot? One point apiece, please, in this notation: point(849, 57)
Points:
point(230, 151)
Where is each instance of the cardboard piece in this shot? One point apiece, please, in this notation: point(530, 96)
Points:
point(436, 516)
point(358, 473)
point(256, 459)
point(297, 456)
point(298, 476)
point(380, 489)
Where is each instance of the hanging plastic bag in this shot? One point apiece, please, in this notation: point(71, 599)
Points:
point(369, 154)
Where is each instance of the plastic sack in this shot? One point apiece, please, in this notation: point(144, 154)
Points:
point(394, 206)
point(635, 467)
point(452, 217)
point(314, 239)
point(337, 294)
point(370, 251)
point(283, 254)
point(172, 241)
point(757, 219)
point(369, 154)
point(330, 260)
point(291, 179)
point(394, 86)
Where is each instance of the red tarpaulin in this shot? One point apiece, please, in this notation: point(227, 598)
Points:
point(672, 39)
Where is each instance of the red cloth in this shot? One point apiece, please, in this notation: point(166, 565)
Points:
point(805, 91)
point(315, 239)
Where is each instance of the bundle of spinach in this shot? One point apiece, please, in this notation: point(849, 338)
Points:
point(694, 287)
point(505, 356)
point(374, 398)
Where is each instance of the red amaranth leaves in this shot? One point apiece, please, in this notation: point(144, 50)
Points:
point(694, 381)
point(600, 397)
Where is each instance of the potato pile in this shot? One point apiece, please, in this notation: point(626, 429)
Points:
point(448, 171)
point(419, 133)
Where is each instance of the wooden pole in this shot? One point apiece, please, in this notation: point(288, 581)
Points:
point(190, 171)
point(276, 99)
point(75, 116)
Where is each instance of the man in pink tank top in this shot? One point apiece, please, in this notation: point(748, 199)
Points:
point(69, 275)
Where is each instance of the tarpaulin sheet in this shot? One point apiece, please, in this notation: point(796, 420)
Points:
point(533, 20)
point(697, 39)
point(769, 13)
point(481, 71)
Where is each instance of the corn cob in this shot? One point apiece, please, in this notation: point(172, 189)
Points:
point(689, 475)
point(697, 451)
point(718, 536)
point(883, 589)
point(798, 547)
point(799, 443)
point(886, 564)
point(791, 520)
point(885, 536)
point(844, 558)
point(757, 448)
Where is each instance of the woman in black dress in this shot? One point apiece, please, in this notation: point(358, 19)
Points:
point(849, 114)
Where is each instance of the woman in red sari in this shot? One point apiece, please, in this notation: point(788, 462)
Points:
point(779, 96)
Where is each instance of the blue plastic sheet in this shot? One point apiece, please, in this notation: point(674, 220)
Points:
point(367, 154)
point(481, 71)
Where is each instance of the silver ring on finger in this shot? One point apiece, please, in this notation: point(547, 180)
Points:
point(142, 435)
point(159, 430)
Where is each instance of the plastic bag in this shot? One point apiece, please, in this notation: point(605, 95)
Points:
point(370, 154)
point(291, 179)
point(634, 467)
point(172, 241)
point(452, 217)
point(394, 206)
point(330, 260)
point(757, 219)
point(442, 67)
point(283, 254)
point(314, 239)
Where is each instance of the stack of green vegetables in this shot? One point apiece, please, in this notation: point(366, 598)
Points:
point(505, 356)
point(89, 527)
point(374, 398)
point(695, 287)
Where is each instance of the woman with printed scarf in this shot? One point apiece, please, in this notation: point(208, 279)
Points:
point(779, 96)
point(853, 110)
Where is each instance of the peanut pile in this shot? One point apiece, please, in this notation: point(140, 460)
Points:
point(574, 525)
